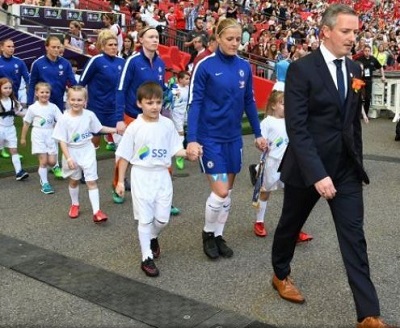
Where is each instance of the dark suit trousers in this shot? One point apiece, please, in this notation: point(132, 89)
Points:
point(347, 209)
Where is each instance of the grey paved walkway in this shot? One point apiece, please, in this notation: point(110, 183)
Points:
point(57, 272)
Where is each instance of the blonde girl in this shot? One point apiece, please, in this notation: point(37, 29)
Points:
point(74, 133)
point(42, 115)
point(273, 129)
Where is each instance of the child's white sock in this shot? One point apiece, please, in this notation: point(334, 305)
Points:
point(74, 194)
point(42, 171)
point(261, 211)
point(16, 163)
point(144, 233)
point(94, 199)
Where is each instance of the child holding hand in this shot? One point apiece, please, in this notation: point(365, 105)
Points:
point(149, 143)
point(74, 132)
point(274, 130)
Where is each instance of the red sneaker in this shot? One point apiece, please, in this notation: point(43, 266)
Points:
point(303, 237)
point(259, 229)
point(73, 211)
point(99, 217)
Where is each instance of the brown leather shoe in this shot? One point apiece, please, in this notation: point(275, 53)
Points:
point(373, 322)
point(287, 290)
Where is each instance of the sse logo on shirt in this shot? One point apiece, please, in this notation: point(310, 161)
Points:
point(76, 137)
point(155, 153)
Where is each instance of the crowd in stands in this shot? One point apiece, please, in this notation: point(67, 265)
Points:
point(268, 26)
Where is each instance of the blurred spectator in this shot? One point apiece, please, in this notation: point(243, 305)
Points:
point(180, 17)
point(199, 44)
point(138, 27)
point(381, 55)
point(110, 22)
point(147, 8)
point(75, 39)
point(129, 47)
point(370, 64)
point(190, 13)
point(69, 4)
point(197, 31)
point(170, 17)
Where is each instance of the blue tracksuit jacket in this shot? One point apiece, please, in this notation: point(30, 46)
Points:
point(138, 69)
point(221, 90)
point(14, 69)
point(57, 73)
point(101, 76)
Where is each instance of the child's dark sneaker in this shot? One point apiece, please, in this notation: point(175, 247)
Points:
point(149, 268)
point(21, 175)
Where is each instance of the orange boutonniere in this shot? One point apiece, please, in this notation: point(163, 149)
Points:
point(357, 84)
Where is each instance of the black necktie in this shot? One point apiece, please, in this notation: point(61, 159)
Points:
point(340, 80)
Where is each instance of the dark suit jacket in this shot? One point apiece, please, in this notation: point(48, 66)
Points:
point(321, 142)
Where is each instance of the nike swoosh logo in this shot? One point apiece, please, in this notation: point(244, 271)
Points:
point(218, 74)
point(142, 68)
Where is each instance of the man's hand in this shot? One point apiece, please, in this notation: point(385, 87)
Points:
point(325, 188)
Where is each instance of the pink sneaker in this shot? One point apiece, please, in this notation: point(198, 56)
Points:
point(99, 217)
point(259, 229)
point(73, 211)
point(303, 237)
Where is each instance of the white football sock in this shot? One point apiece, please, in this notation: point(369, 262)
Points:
point(213, 208)
point(144, 233)
point(16, 163)
point(261, 211)
point(74, 194)
point(42, 171)
point(94, 199)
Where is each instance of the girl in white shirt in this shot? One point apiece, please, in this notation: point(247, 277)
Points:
point(10, 107)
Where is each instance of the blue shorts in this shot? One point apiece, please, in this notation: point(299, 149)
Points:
point(221, 157)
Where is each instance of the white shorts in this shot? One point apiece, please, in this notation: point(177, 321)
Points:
point(42, 142)
point(272, 178)
point(8, 136)
point(151, 191)
point(85, 158)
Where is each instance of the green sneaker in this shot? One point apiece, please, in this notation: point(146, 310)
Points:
point(111, 146)
point(47, 189)
point(57, 172)
point(4, 153)
point(117, 198)
point(175, 211)
point(180, 163)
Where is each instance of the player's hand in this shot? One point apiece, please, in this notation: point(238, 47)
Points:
point(120, 189)
point(194, 150)
point(325, 188)
point(121, 126)
point(261, 143)
point(22, 142)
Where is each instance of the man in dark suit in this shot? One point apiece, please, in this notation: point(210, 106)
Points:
point(324, 159)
